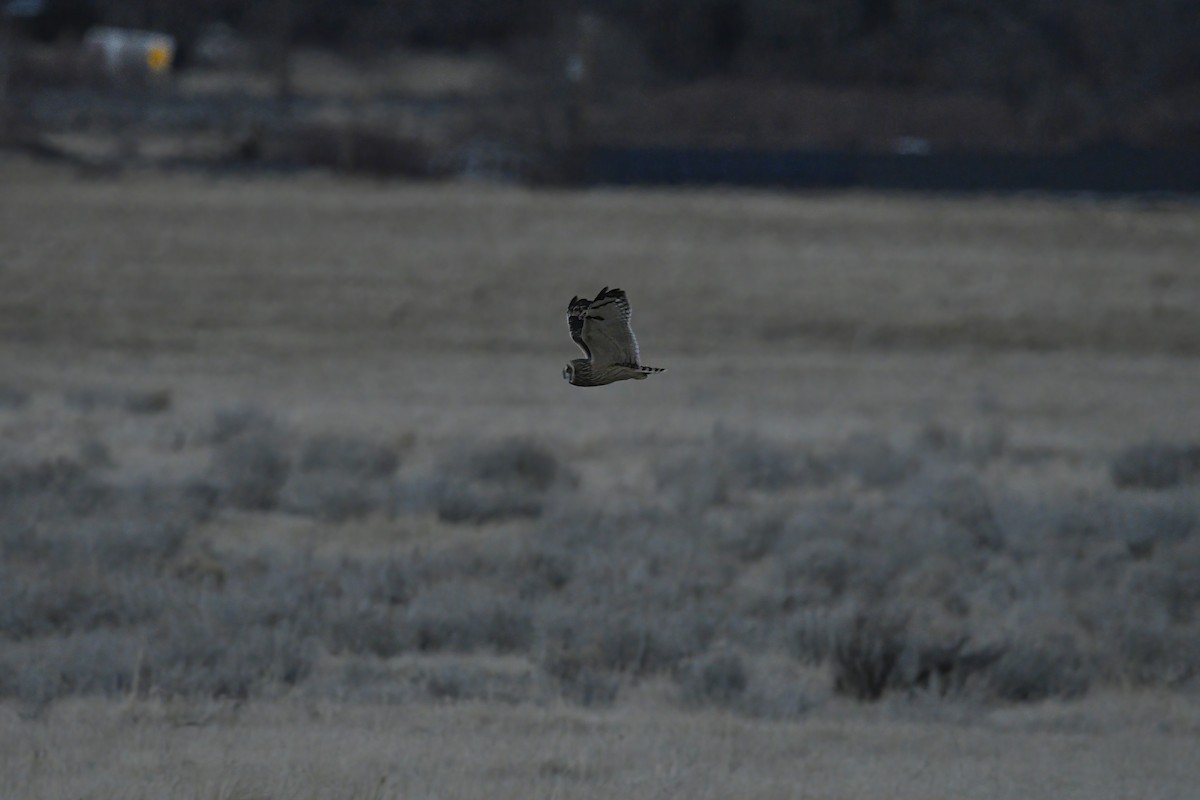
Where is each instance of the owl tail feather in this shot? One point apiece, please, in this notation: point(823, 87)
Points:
point(644, 369)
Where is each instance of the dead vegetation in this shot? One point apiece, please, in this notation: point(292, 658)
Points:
point(899, 568)
point(297, 468)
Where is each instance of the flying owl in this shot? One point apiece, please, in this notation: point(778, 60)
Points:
point(601, 329)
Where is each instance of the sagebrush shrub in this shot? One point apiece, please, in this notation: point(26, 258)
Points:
point(1155, 465)
point(717, 678)
point(498, 481)
point(249, 470)
point(866, 653)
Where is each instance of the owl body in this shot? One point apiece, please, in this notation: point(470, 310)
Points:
point(581, 372)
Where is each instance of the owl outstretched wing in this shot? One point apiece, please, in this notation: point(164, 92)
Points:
point(605, 333)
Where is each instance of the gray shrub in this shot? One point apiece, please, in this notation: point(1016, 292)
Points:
point(249, 470)
point(511, 479)
point(1155, 465)
point(713, 679)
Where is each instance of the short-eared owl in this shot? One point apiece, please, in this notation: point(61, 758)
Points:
point(601, 329)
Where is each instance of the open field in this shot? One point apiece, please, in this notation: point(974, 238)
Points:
point(1142, 747)
point(294, 501)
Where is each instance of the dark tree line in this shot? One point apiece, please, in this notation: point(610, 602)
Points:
point(1112, 48)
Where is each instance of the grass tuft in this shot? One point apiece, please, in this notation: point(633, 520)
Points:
point(249, 471)
point(13, 398)
point(713, 679)
point(89, 399)
point(511, 479)
point(1032, 671)
point(1155, 465)
point(866, 653)
point(346, 455)
point(731, 464)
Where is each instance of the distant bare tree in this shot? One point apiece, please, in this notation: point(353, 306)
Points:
point(282, 36)
point(6, 60)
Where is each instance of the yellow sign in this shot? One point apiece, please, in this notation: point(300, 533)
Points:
point(158, 57)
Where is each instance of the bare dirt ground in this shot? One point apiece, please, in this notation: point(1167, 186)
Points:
point(423, 316)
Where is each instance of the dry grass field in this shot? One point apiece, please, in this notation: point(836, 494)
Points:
point(294, 501)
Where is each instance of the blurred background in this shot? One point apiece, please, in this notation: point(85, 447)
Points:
point(955, 94)
point(284, 439)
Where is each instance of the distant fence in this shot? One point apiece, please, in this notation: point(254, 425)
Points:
point(1105, 170)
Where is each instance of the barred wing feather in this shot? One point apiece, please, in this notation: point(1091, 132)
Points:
point(606, 333)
